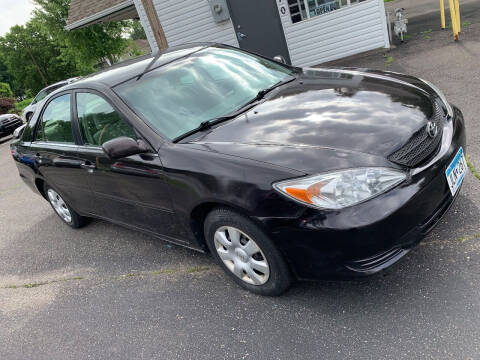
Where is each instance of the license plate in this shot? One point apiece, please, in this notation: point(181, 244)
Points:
point(456, 171)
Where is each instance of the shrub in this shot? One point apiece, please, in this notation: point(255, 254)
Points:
point(5, 90)
point(19, 106)
point(6, 104)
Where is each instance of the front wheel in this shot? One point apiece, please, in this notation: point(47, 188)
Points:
point(246, 253)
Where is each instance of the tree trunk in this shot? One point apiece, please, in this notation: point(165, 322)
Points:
point(36, 65)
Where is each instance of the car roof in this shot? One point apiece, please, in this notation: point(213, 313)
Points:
point(60, 83)
point(126, 70)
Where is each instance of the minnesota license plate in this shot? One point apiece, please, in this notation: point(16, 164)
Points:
point(456, 171)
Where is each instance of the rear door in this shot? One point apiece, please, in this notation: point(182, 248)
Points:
point(55, 152)
point(132, 190)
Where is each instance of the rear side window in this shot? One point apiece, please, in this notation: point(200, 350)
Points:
point(56, 125)
point(99, 122)
point(40, 96)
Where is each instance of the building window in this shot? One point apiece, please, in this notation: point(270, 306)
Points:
point(306, 9)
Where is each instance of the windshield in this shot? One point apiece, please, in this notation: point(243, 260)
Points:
point(176, 98)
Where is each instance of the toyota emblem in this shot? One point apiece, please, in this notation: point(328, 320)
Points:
point(432, 129)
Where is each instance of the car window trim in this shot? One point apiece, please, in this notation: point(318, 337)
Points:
point(40, 120)
point(109, 102)
point(54, 144)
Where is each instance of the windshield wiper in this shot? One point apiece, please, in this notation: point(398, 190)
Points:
point(261, 94)
point(209, 123)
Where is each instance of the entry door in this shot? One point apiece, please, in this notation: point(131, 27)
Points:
point(258, 27)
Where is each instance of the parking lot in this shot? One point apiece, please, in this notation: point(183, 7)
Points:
point(108, 292)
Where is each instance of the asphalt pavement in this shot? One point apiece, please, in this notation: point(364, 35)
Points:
point(105, 292)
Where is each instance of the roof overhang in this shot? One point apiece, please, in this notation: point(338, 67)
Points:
point(122, 11)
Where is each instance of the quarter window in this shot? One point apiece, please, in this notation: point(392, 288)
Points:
point(306, 9)
point(99, 122)
point(56, 125)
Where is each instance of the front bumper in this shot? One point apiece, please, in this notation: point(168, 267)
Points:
point(368, 237)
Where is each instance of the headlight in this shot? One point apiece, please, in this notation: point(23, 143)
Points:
point(339, 189)
point(442, 97)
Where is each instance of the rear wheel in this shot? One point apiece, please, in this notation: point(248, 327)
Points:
point(63, 210)
point(246, 253)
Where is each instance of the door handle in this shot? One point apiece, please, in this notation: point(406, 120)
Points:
point(38, 158)
point(87, 165)
point(241, 35)
point(65, 162)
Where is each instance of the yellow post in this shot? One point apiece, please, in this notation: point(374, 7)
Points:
point(454, 20)
point(457, 11)
point(442, 13)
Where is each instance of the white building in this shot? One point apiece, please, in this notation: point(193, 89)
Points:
point(305, 32)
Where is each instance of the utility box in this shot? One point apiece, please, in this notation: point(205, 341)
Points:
point(219, 10)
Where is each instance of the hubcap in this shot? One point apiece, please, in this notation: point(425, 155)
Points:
point(59, 205)
point(241, 255)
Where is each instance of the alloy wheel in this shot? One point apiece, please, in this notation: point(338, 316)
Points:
point(241, 255)
point(59, 205)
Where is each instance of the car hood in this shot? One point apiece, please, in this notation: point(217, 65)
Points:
point(339, 112)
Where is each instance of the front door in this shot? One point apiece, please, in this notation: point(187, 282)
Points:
point(258, 27)
point(131, 191)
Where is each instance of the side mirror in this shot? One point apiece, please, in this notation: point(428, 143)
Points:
point(280, 59)
point(124, 146)
point(17, 133)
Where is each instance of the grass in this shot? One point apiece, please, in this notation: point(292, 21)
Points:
point(388, 61)
point(426, 34)
point(145, 273)
point(468, 238)
point(37, 284)
point(472, 168)
point(19, 106)
point(388, 0)
point(196, 269)
point(191, 270)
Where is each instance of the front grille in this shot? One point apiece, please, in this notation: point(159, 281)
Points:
point(421, 146)
point(10, 124)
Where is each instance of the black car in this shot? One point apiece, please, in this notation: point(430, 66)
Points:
point(8, 124)
point(280, 172)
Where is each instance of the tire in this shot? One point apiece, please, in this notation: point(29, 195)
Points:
point(246, 253)
point(62, 209)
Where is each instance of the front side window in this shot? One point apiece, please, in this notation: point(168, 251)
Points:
point(56, 125)
point(99, 122)
point(177, 97)
point(306, 9)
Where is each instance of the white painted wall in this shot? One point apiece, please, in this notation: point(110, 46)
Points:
point(146, 25)
point(344, 32)
point(186, 21)
point(340, 33)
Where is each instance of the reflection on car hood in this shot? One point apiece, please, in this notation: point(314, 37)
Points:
point(370, 114)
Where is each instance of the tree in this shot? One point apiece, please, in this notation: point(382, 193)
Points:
point(83, 47)
point(5, 76)
point(5, 90)
point(136, 30)
point(43, 52)
point(32, 58)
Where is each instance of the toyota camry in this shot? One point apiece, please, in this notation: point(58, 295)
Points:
point(279, 172)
